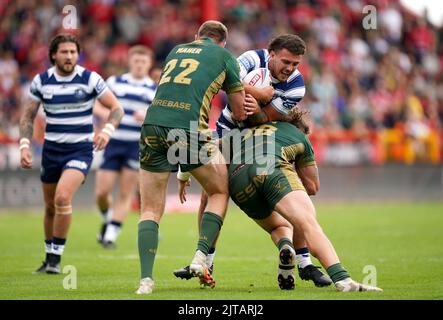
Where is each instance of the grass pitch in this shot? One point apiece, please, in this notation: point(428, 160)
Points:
point(404, 242)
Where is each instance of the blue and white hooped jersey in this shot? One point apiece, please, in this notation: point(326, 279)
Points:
point(287, 94)
point(68, 102)
point(134, 95)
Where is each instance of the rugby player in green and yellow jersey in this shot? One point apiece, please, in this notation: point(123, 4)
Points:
point(175, 133)
point(265, 185)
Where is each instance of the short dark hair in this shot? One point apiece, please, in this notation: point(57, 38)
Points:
point(290, 42)
point(61, 38)
point(214, 30)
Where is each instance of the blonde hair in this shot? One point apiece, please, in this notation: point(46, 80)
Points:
point(140, 49)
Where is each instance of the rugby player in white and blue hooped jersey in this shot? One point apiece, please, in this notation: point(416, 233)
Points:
point(273, 103)
point(67, 92)
point(135, 91)
point(288, 88)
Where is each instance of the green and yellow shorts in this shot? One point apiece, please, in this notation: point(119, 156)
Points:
point(163, 149)
point(257, 192)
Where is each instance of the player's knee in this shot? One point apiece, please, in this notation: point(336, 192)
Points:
point(218, 194)
point(62, 198)
point(282, 229)
point(287, 225)
point(124, 196)
point(100, 193)
point(220, 189)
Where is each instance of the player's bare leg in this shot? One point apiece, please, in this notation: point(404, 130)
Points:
point(299, 210)
point(128, 185)
point(48, 221)
point(306, 269)
point(153, 187)
point(68, 184)
point(104, 183)
point(48, 196)
point(213, 177)
point(281, 234)
point(185, 273)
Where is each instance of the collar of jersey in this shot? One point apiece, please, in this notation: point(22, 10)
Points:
point(207, 39)
point(128, 76)
point(65, 78)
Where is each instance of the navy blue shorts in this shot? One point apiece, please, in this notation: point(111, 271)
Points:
point(57, 157)
point(219, 130)
point(119, 154)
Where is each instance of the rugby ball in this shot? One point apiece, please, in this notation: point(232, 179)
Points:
point(259, 78)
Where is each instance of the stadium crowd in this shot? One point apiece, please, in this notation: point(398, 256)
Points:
point(380, 89)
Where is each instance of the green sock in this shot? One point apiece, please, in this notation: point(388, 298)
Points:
point(337, 273)
point(209, 228)
point(147, 246)
point(284, 241)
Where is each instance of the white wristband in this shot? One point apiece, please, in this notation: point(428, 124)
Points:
point(110, 126)
point(108, 129)
point(25, 141)
point(183, 176)
point(24, 146)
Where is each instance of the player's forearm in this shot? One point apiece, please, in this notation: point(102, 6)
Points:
point(115, 116)
point(266, 114)
point(255, 92)
point(26, 126)
point(310, 179)
point(262, 95)
point(109, 101)
point(236, 101)
point(311, 186)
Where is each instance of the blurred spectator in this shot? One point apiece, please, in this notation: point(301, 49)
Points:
point(391, 21)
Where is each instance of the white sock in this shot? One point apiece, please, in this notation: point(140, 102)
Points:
point(58, 249)
point(48, 247)
point(303, 257)
point(112, 232)
point(210, 259)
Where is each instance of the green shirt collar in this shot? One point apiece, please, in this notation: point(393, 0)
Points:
point(207, 39)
